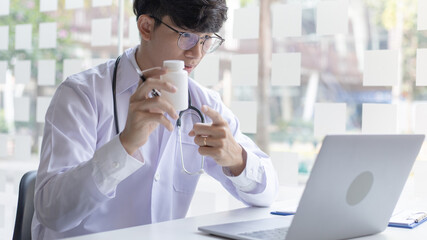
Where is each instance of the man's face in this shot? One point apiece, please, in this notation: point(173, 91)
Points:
point(164, 46)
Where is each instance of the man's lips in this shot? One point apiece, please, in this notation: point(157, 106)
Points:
point(188, 67)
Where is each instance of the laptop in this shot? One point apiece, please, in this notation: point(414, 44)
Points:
point(352, 191)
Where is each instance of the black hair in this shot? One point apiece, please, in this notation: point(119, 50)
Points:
point(195, 15)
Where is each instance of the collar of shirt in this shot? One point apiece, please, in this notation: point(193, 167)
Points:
point(128, 71)
point(132, 58)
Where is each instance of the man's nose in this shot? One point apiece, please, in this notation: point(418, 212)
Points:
point(196, 51)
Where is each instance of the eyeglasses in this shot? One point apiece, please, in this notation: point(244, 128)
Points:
point(188, 40)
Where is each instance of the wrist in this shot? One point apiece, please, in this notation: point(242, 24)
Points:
point(237, 169)
point(126, 145)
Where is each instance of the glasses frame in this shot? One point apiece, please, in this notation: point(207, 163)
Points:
point(204, 38)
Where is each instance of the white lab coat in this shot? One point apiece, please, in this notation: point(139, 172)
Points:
point(87, 182)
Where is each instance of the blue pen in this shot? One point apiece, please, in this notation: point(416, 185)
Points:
point(282, 213)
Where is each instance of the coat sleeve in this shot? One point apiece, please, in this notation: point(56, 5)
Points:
point(72, 168)
point(257, 185)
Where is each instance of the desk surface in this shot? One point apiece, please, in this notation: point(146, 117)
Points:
point(187, 228)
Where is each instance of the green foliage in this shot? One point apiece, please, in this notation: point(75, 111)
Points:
point(385, 13)
point(3, 125)
point(244, 3)
point(294, 130)
point(27, 12)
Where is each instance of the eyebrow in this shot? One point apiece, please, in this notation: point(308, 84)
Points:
point(174, 28)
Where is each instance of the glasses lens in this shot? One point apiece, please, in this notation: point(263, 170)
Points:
point(187, 41)
point(211, 44)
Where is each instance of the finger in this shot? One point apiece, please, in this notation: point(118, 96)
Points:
point(209, 151)
point(204, 141)
point(214, 115)
point(156, 104)
point(151, 73)
point(151, 83)
point(140, 83)
point(208, 130)
point(159, 118)
point(154, 72)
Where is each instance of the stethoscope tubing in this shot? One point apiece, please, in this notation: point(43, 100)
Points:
point(114, 83)
point(178, 122)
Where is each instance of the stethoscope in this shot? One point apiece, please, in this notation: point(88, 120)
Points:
point(178, 121)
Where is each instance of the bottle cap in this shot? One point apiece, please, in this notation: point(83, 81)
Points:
point(173, 65)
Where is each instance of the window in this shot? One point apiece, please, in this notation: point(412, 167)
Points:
point(337, 66)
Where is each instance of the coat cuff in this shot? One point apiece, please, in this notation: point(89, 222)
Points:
point(249, 178)
point(112, 164)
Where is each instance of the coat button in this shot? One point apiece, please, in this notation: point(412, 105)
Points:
point(157, 177)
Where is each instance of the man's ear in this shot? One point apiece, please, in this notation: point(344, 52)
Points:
point(145, 26)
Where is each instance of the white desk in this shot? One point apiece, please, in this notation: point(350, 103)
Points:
point(187, 228)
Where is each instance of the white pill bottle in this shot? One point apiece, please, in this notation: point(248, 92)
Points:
point(177, 76)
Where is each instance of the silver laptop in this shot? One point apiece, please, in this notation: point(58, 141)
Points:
point(353, 188)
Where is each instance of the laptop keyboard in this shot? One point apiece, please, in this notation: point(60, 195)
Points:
point(273, 234)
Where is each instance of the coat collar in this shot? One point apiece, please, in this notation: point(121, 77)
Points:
point(127, 72)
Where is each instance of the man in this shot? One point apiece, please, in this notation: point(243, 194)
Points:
point(93, 177)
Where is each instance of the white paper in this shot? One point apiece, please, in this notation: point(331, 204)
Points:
point(329, 118)
point(101, 32)
point(381, 68)
point(23, 37)
point(4, 37)
point(287, 20)
point(48, 5)
point(246, 23)
point(246, 112)
point(73, 4)
point(46, 72)
point(422, 15)
point(286, 69)
point(207, 72)
point(420, 118)
point(332, 17)
point(133, 32)
point(3, 70)
point(3, 145)
point(101, 3)
point(42, 106)
point(47, 35)
point(421, 79)
point(72, 66)
point(22, 109)
point(22, 71)
point(4, 9)
point(379, 118)
point(286, 166)
point(244, 70)
point(23, 148)
point(407, 217)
